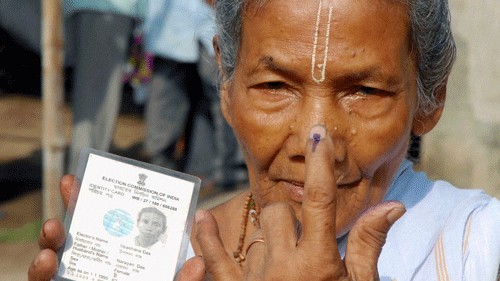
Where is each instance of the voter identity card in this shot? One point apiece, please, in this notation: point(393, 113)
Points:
point(126, 220)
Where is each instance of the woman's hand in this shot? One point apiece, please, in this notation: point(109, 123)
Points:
point(310, 253)
point(44, 265)
point(192, 270)
point(52, 236)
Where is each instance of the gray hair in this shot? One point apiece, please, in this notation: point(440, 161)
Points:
point(430, 30)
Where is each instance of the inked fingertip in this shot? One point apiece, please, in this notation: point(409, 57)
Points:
point(317, 132)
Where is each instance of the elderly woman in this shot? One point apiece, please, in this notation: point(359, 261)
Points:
point(323, 97)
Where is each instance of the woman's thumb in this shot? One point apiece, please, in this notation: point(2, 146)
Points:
point(192, 270)
point(367, 237)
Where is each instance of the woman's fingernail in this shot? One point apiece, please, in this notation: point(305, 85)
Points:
point(317, 133)
point(36, 261)
point(42, 230)
point(395, 214)
point(198, 216)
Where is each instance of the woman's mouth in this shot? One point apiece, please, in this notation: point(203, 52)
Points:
point(296, 189)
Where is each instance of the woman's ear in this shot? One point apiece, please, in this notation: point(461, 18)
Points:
point(223, 83)
point(425, 122)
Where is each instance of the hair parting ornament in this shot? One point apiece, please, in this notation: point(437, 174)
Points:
point(320, 67)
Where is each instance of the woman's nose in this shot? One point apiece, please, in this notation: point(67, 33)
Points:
point(314, 111)
point(322, 111)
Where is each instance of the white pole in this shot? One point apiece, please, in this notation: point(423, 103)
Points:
point(53, 138)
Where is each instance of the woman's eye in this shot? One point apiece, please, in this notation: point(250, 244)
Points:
point(273, 85)
point(368, 90)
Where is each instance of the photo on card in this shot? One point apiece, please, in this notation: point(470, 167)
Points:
point(126, 220)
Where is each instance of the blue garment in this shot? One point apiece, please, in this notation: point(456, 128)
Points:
point(133, 8)
point(175, 29)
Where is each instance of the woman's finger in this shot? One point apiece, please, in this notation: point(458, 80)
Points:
point(192, 270)
point(279, 228)
point(44, 266)
point(367, 237)
point(51, 235)
point(320, 191)
point(218, 263)
point(255, 253)
point(66, 185)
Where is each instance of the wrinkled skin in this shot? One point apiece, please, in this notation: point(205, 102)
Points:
point(368, 105)
point(367, 101)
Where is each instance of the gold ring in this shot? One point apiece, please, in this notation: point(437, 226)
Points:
point(258, 240)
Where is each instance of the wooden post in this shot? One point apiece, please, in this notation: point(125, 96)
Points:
point(53, 137)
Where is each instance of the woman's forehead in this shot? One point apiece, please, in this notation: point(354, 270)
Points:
point(255, 5)
point(343, 32)
point(335, 18)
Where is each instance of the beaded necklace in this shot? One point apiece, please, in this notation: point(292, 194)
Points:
point(249, 211)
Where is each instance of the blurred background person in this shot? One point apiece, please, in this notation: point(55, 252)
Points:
point(183, 99)
point(98, 36)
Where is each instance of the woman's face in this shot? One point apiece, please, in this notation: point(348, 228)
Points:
point(366, 100)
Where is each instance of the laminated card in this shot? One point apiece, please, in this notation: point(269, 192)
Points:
point(126, 220)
